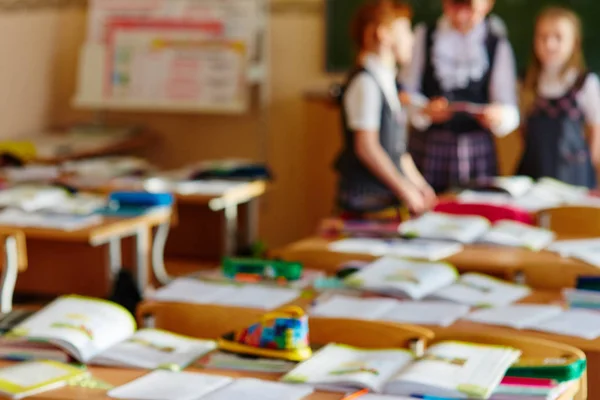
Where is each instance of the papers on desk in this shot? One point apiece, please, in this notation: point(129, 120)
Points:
point(435, 313)
point(419, 280)
point(420, 249)
point(254, 389)
point(517, 234)
point(586, 250)
point(544, 318)
point(32, 198)
point(208, 188)
point(63, 222)
point(106, 167)
point(188, 290)
point(32, 173)
point(463, 229)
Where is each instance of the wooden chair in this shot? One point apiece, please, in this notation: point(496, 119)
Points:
point(571, 221)
point(213, 321)
point(531, 347)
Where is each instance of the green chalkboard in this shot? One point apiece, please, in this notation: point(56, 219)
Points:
point(518, 15)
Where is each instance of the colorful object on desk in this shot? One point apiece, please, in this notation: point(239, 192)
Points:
point(492, 212)
point(559, 369)
point(247, 269)
point(356, 395)
point(280, 334)
point(126, 204)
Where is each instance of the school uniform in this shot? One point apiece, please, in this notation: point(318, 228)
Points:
point(476, 67)
point(555, 128)
point(370, 103)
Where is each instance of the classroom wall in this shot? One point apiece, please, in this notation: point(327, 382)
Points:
point(28, 47)
point(296, 59)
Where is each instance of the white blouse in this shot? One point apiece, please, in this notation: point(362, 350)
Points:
point(552, 85)
point(459, 58)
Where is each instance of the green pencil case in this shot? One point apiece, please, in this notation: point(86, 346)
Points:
point(569, 370)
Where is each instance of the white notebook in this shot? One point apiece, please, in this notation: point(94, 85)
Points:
point(517, 234)
point(189, 290)
point(405, 278)
point(518, 316)
point(579, 323)
point(463, 229)
point(435, 313)
point(167, 385)
point(254, 389)
point(419, 249)
point(482, 291)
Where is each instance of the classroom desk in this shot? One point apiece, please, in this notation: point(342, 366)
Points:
point(53, 255)
point(15, 261)
point(116, 377)
point(541, 270)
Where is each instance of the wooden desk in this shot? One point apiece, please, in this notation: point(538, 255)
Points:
point(15, 261)
point(53, 255)
point(542, 270)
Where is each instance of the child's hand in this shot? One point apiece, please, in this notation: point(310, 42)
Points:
point(414, 200)
point(438, 110)
point(429, 196)
point(491, 117)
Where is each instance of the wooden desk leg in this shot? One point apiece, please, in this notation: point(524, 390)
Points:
point(142, 257)
point(230, 231)
point(9, 274)
point(158, 253)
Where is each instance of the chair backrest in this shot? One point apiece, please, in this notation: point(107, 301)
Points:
point(571, 221)
point(213, 321)
point(530, 347)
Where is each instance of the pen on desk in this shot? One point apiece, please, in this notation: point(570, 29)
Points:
point(420, 396)
point(356, 395)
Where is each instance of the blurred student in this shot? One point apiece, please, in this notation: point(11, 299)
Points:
point(466, 67)
point(370, 165)
point(561, 102)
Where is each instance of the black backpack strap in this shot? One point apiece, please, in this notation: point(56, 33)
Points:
point(581, 79)
point(491, 44)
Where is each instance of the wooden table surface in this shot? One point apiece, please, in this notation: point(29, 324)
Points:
point(117, 376)
point(542, 270)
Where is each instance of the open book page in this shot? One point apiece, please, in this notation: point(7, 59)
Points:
point(29, 378)
point(153, 348)
point(568, 247)
point(561, 190)
point(455, 369)
point(254, 389)
point(516, 186)
point(518, 316)
point(517, 234)
point(399, 277)
point(342, 368)
point(483, 291)
point(464, 229)
point(589, 256)
point(435, 313)
point(82, 326)
point(189, 290)
point(339, 306)
point(163, 385)
point(579, 323)
point(420, 249)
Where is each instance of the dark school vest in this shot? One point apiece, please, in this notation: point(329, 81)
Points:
point(475, 92)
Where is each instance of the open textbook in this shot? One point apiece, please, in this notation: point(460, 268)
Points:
point(586, 250)
point(459, 228)
point(189, 290)
point(420, 249)
point(448, 369)
point(438, 313)
point(99, 332)
point(418, 280)
point(543, 318)
point(517, 234)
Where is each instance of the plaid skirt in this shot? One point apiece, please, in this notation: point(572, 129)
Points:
point(447, 159)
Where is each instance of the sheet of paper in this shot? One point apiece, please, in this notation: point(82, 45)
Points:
point(167, 385)
point(29, 374)
point(435, 313)
point(420, 249)
point(258, 296)
point(254, 389)
point(516, 234)
point(578, 323)
point(464, 229)
point(339, 306)
point(517, 316)
point(481, 290)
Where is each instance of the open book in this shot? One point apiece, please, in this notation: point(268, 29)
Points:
point(517, 234)
point(189, 290)
point(30, 378)
point(513, 186)
point(419, 249)
point(418, 280)
point(586, 250)
point(100, 332)
point(543, 318)
point(381, 309)
point(459, 228)
point(448, 369)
